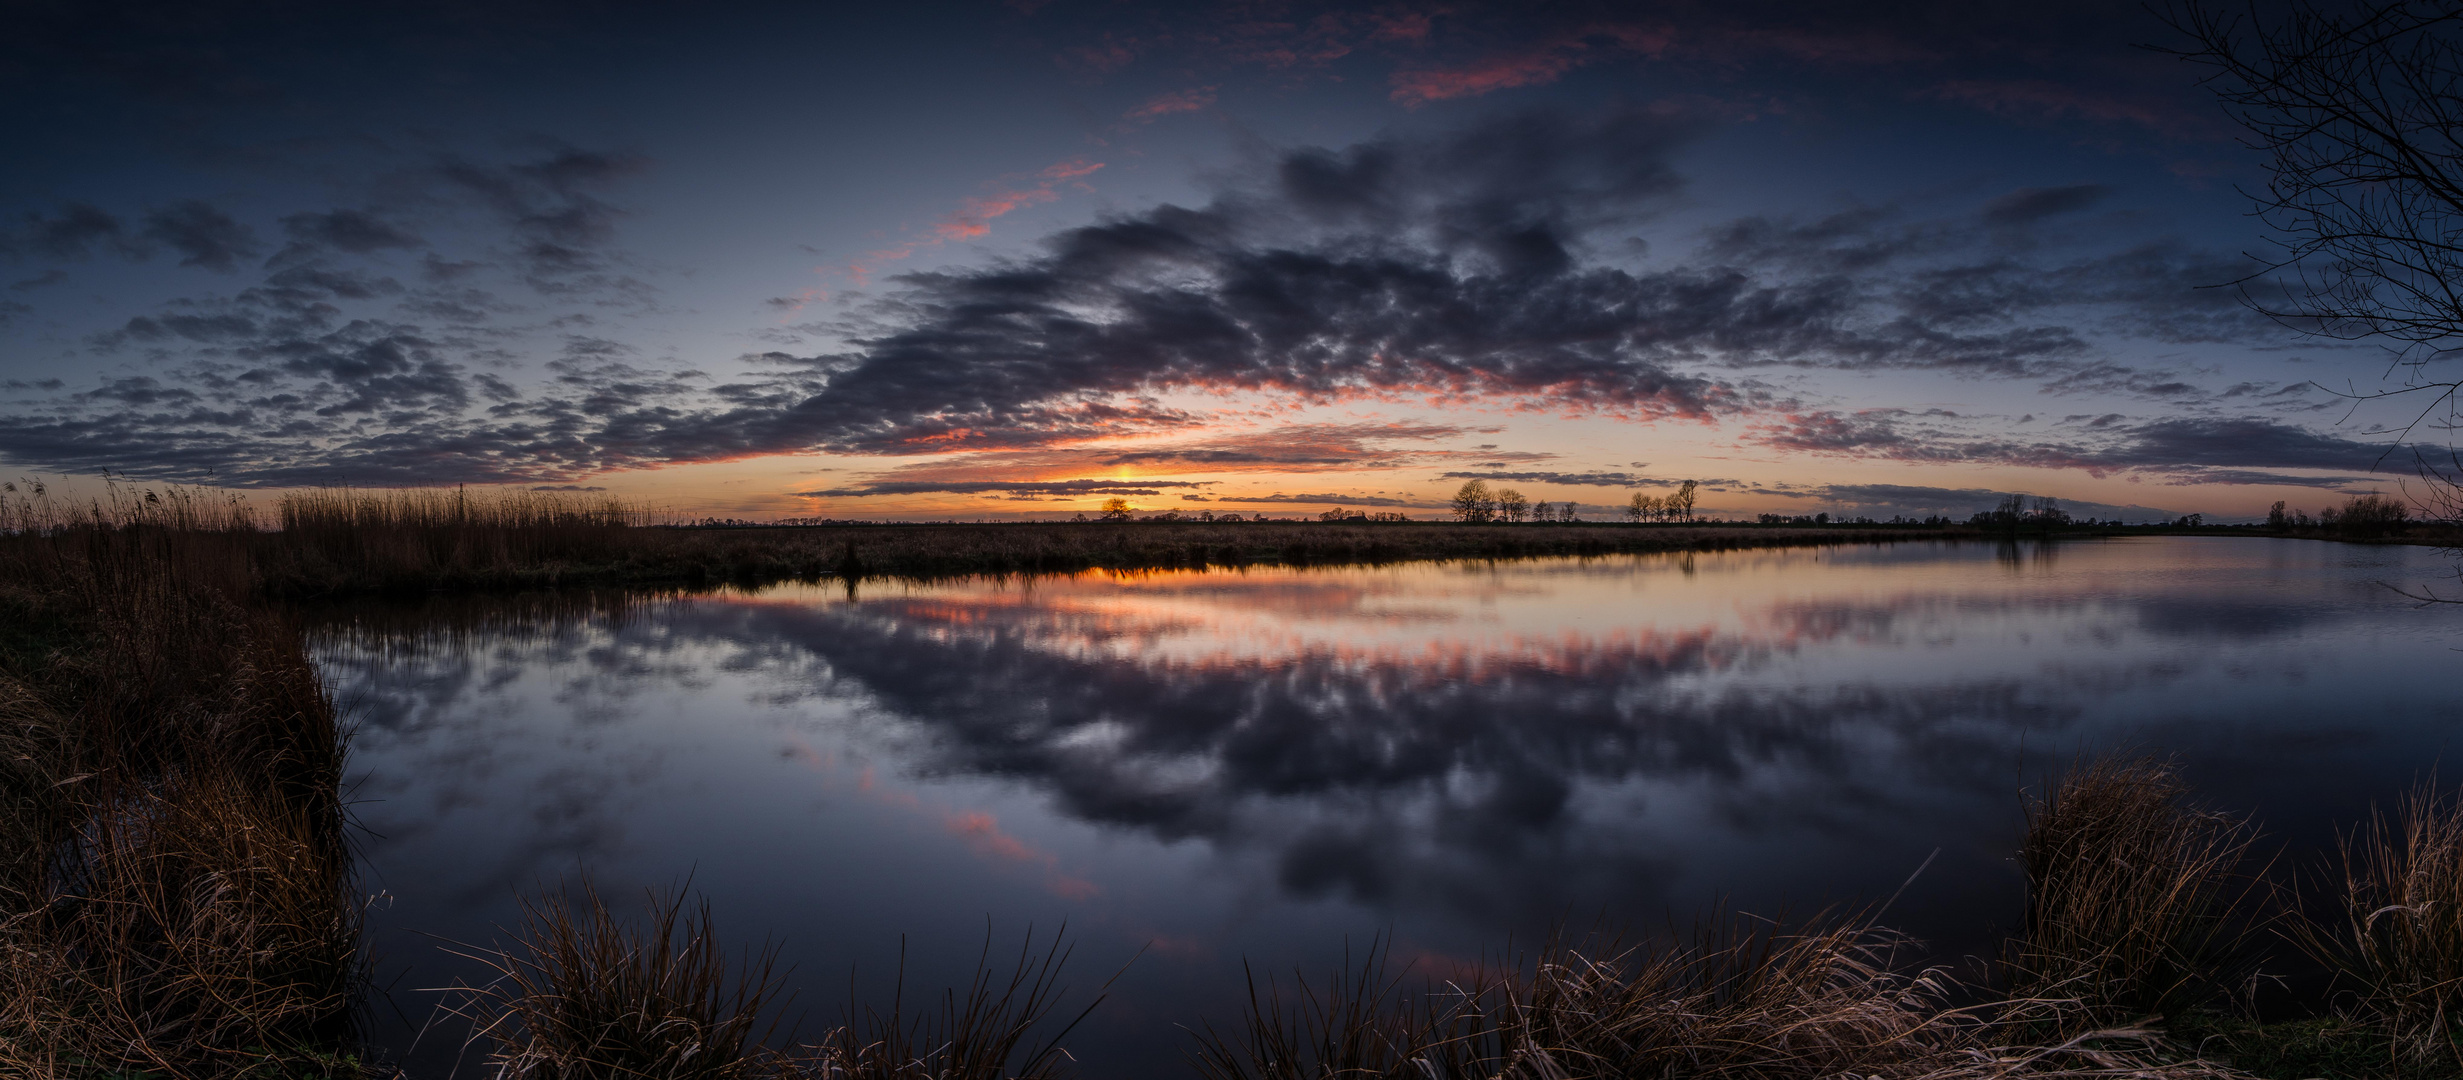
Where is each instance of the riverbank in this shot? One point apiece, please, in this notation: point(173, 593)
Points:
point(446, 558)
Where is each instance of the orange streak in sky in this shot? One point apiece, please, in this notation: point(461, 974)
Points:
point(974, 215)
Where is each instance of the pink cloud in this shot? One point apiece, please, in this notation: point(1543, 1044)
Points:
point(974, 215)
point(1535, 66)
point(982, 834)
point(1410, 27)
point(979, 831)
point(1178, 101)
point(1109, 55)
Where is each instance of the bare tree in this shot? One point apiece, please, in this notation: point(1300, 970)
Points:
point(2359, 110)
point(1512, 505)
point(1472, 503)
point(1117, 509)
point(1680, 504)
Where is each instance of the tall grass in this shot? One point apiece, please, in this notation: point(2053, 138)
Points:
point(1735, 999)
point(585, 994)
point(423, 538)
point(177, 896)
point(1003, 1027)
point(2399, 945)
point(2139, 903)
point(344, 542)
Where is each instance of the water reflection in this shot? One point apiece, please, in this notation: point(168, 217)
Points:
point(1259, 762)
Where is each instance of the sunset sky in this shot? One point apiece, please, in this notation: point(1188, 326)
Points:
point(996, 260)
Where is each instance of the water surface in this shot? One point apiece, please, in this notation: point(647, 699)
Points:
point(1274, 765)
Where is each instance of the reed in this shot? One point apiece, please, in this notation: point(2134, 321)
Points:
point(584, 995)
point(2399, 943)
point(345, 542)
point(1736, 998)
point(176, 898)
point(2138, 904)
point(1001, 1028)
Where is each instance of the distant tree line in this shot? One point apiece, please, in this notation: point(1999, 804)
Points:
point(2363, 517)
point(1674, 506)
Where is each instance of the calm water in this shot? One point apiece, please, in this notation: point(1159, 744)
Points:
point(1273, 765)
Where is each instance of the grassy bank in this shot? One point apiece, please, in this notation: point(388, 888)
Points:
point(353, 544)
point(339, 544)
point(176, 896)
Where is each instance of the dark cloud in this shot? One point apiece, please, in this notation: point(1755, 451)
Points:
point(355, 231)
point(553, 207)
point(2245, 442)
point(75, 231)
point(43, 280)
point(2182, 446)
point(1009, 487)
point(1922, 501)
point(2032, 204)
point(1589, 479)
point(1322, 499)
point(2262, 477)
point(203, 235)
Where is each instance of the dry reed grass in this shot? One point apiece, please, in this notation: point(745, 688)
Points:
point(2400, 943)
point(1734, 999)
point(2139, 904)
point(177, 896)
point(1001, 1028)
point(342, 542)
point(584, 994)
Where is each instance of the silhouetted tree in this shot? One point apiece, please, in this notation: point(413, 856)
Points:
point(1472, 503)
point(1680, 504)
point(1117, 509)
point(2359, 111)
point(1512, 505)
point(2369, 517)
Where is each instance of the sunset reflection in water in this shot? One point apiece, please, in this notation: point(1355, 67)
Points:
point(1264, 763)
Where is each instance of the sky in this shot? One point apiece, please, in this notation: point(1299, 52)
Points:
point(1010, 259)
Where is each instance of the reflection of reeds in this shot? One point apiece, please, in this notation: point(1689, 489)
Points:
point(2400, 944)
point(1734, 999)
point(2137, 903)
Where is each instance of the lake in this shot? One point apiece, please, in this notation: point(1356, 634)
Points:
point(1273, 766)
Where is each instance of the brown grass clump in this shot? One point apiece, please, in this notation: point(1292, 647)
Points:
point(2137, 903)
point(585, 996)
point(1732, 1000)
point(2400, 945)
point(176, 895)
